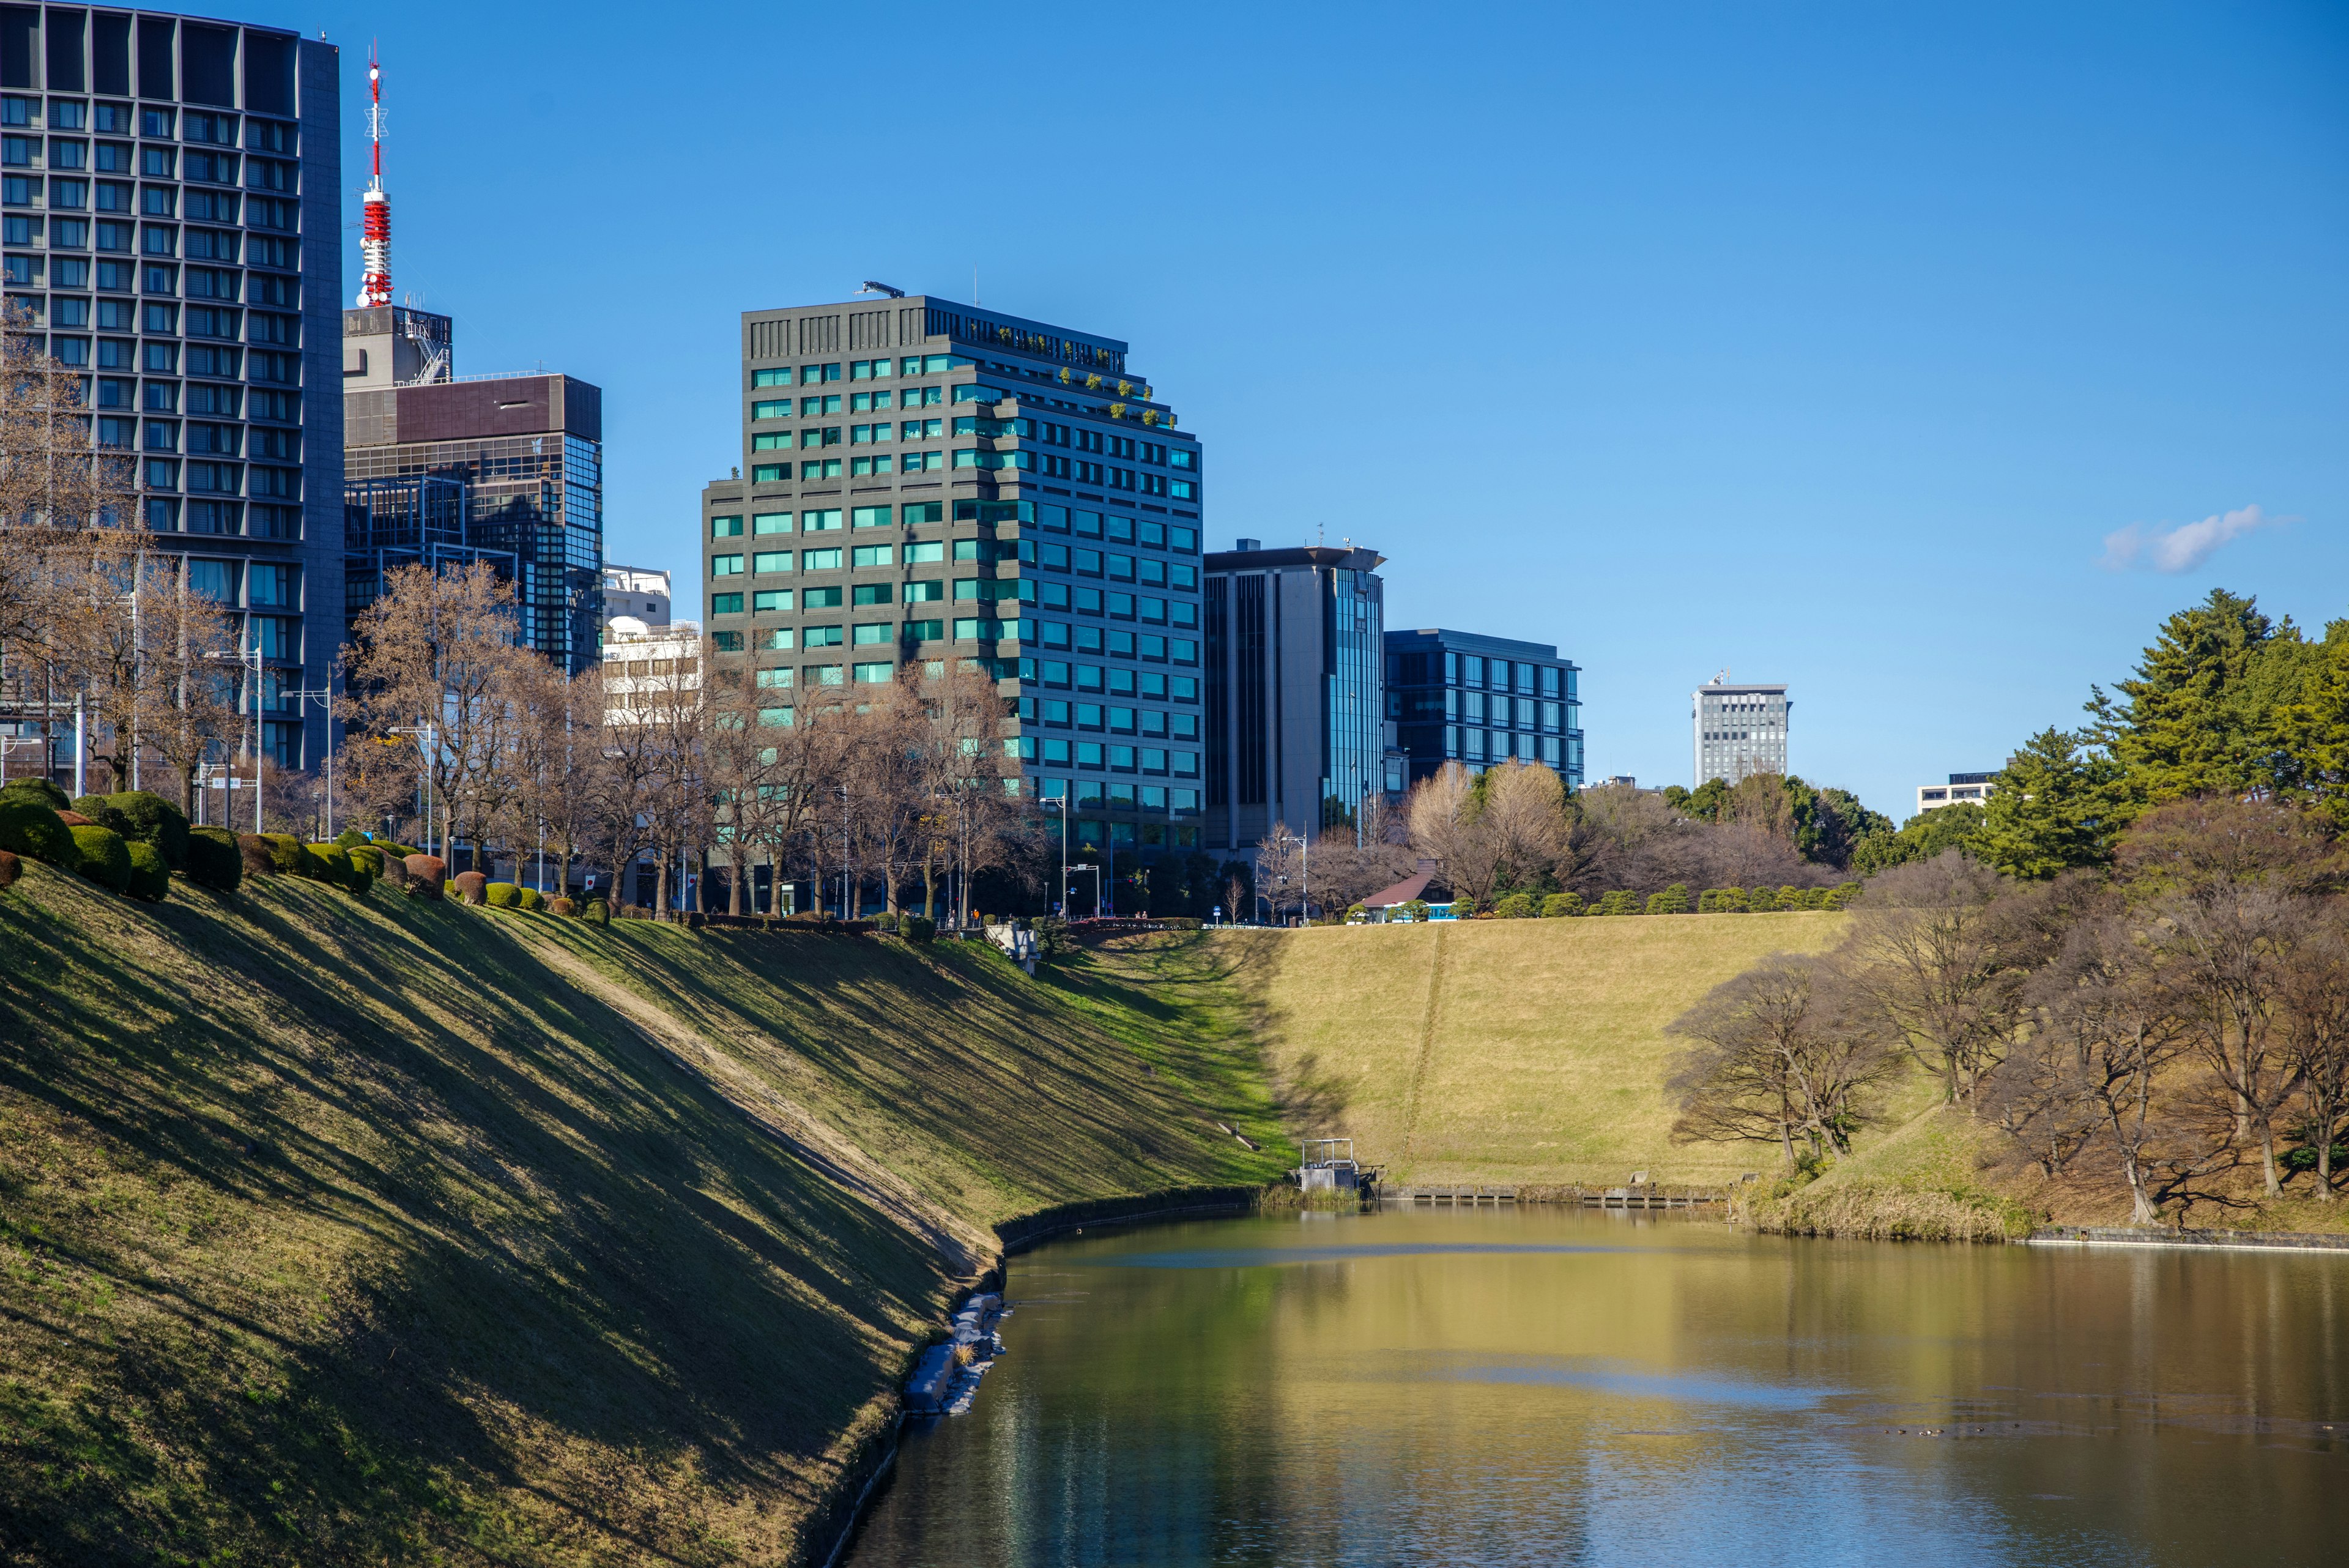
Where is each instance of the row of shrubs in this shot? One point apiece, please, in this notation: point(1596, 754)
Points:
point(1672, 901)
point(133, 841)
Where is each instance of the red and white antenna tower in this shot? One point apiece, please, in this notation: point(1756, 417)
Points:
point(375, 237)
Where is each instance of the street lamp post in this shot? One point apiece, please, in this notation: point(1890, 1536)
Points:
point(253, 657)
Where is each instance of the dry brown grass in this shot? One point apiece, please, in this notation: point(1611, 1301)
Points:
point(1503, 1051)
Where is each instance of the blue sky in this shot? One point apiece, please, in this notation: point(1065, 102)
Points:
point(1824, 344)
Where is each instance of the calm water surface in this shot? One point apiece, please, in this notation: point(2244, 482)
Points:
point(1551, 1386)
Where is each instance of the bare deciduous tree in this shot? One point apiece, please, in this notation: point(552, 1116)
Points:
point(1781, 1053)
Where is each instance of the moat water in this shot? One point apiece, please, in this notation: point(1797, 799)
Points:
point(1554, 1386)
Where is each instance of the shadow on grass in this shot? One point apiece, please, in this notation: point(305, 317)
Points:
point(337, 1231)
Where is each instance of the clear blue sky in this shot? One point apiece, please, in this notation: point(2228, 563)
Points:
point(1827, 344)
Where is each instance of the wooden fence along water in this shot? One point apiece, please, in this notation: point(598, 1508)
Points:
point(1645, 1196)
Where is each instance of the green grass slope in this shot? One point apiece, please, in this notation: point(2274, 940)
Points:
point(1530, 1051)
point(361, 1231)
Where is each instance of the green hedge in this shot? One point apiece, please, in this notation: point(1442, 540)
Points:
point(532, 898)
point(1560, 905)
point(287, 856)
point(596, 912)
point(350, 839)
point(150, 879)
point(917, 927)
point(1516, 907)
point(260, 856)
point(103, 856)
point(35, 791)
point(502, 895)
point(32, 829)
point(143, 816)
point(364, 854)
point(214, 860)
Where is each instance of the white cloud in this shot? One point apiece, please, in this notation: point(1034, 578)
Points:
point(2184, 547)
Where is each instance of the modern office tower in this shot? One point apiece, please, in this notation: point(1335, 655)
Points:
point(502, 469)
point(640, 593)
point(1963, 789)
point(930, 483)
point(170, 220)
point(1294, 677)
point(1739, 728)
point(1453, 696)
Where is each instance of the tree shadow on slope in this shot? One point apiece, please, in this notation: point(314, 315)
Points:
point(411, 1256)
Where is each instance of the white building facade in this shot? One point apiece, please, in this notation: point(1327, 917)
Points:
point(640, 593)
point(1963, 789)
point(1738, 729)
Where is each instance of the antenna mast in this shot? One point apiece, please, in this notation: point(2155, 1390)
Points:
point(375, 237)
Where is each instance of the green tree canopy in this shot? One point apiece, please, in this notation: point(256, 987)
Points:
point(2057, 805)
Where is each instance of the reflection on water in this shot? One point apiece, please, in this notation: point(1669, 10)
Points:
point(1552, 1386)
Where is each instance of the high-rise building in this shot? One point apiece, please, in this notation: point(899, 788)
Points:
point(442, 470)
point(171, 220)
point(1455, 696)
point(1739, 728)
point(927, 482)
point(1294, 677)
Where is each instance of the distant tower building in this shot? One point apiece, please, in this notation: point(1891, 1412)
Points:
point(507, 470)
point(1739, 728)
point(1294, 687)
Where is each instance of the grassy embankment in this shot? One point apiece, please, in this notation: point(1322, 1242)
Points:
point(335, 1231)
point(1533, 1052)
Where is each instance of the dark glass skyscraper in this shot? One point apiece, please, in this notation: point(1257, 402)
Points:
point(170, 226)
point(1455, 696)
point(1294, 683)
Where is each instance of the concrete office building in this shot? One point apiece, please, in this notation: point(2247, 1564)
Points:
point(640, 593)
point(1738, 729)
point(927, 481)
point(1295, 679)
point(443, 469)
point(170, 227)
point(1455, 696)
point(1963, 789)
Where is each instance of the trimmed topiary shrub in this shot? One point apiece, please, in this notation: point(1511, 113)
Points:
point(472, 885)
point(427, 878)
point(596, 912)
point(1672, 900)
point(103, 856)
point(396, 851)
point(917, 927)
point(884, 921)
point(143, 816)
point(559, 905)
point(1464, 909)
point(1840, 895)
point(1621, 901)
point(326, 863)
point(350, 839)
point(73, 818)
point(260, 856)
point(365, 856)
point(36, 831)
point(36, 792)
point(149, 879)
point(1418, 909)
point(1558, 904)
point(10, 867)
point(1516, 907)
point(499, 895)
point(214, 860)
point(287, 855)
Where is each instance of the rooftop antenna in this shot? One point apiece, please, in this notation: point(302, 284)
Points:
point(374, 236)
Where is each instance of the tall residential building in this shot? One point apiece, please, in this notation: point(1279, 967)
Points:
point(1739, 728)
point(443, 469)
point(1455, 696)
point(170, 224)
point(927, 481)
point(640, 593)
point(1294, 677)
